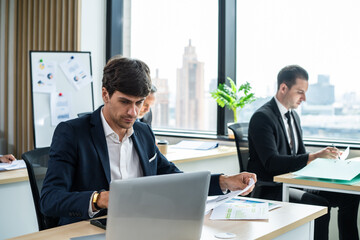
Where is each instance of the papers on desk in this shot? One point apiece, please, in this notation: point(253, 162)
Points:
point(345, 154)
point(241, 209)
point(17, 164)
point(330, 169)
point(213, 202)
point(196, 145)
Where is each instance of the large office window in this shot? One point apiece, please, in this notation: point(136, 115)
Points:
point(323, 37)
point(179, 42)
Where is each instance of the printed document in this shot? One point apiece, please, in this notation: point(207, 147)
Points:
point(331, 169)
point(196, 145)
point(213, 202)
point(238, 209)
point(17, 164)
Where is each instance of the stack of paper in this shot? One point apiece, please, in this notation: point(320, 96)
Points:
point(241, 209)
point(196, 145)
point(331, 169)
point(17, 164)
point(213, 202)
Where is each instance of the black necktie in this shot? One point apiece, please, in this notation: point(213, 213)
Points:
point(292, 138)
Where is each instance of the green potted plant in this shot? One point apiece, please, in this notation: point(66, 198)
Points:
point(233, 97)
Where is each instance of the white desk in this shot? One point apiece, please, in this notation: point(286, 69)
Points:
point(289, 180)
point(17, 211)
point(222, 159)
point(291, 221)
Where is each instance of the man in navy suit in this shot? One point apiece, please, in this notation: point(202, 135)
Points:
point(276, 147)
point(88, 152)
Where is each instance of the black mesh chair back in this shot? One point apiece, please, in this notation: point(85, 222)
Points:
point(261, 186)
point(37, 164)
point(238, 134)
point(83, 114)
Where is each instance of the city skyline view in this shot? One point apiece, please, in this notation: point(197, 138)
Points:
point(320, 36)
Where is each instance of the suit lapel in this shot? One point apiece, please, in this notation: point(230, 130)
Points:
point(281, 122)
point(98, 137)
point(144, 161)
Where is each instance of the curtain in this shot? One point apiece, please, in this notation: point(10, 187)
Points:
point(46, 25)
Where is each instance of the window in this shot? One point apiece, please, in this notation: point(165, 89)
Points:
point(179, 42)
point(323, 37)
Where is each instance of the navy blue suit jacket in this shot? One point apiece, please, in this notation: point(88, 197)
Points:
point(79, 165)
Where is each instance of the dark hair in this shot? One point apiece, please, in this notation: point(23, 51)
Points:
point(289, 74)
point(128, 76)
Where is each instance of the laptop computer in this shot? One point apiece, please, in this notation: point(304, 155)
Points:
point(159, 207)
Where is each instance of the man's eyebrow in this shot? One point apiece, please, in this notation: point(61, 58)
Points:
point(123, 98)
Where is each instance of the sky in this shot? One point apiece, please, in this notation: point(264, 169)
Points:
point(323, 36)
point(161, 29)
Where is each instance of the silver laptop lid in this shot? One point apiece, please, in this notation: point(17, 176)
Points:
point(158, 207)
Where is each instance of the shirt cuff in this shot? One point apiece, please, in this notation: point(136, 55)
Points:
point(90, 211)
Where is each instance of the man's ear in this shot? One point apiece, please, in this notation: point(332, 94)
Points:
point(105, 95)
point(283, 88)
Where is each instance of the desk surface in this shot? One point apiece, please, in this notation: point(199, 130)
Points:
point(289, 178)
point(281, 220)
point(177, 155)
point(12, 176)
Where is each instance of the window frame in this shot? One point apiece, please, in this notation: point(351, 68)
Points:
point(227, 35)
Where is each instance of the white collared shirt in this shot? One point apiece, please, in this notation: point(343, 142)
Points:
point(123, 158)
point(283, 110)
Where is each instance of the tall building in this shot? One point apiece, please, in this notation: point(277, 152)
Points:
point(322, 92)
point(190, 92)
point(211, 106)
point(160, 109)
point(320, 98)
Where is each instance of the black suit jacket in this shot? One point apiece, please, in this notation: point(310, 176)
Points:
point(147, 118)
point(269, 149)
point(79, 165)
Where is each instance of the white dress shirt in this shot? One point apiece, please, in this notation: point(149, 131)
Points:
point(283, 110)
point(123, 158)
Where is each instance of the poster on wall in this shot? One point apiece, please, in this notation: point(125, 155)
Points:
point(60, 108)
point(75, 72)
point(44, 76)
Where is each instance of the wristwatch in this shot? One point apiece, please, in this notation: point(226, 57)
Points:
point(96, 197)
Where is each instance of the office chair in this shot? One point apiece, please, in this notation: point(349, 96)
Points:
point(237, 128)
point(36, 163)
point(83, 114)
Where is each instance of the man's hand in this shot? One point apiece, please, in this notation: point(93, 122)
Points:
point(102, 201)
point(237, 182)
point(328, 152)
point(7, 158)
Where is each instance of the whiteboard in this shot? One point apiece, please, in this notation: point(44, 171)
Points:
point(58, 93)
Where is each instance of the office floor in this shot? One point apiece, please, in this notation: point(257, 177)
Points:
point(334, 233)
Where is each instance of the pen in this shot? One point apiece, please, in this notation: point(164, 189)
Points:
point(333, 146)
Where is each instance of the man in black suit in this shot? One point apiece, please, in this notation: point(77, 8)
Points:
point(276, 147)
point(88, 152)
point(145, 114)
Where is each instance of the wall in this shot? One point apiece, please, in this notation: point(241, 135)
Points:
point(92, 38)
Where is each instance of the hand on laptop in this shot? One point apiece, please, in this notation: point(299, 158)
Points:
point(7, 158)
point(237, 182)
